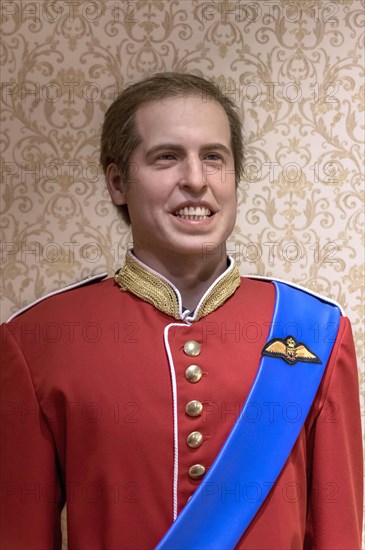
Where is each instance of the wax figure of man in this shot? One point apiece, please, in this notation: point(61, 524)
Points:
point(119, 394)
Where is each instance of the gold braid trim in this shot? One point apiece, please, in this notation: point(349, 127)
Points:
point(151, 288)
point(220, 293)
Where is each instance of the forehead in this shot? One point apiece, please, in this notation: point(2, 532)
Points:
point(191, 119)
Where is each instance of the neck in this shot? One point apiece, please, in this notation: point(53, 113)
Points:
point(189, 274)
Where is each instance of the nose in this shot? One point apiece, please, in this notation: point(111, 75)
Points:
point(192, 175)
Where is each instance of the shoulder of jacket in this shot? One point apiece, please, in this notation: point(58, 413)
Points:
point(300, 288)
point(87, 280)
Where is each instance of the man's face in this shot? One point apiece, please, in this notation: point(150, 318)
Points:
point(182, 194)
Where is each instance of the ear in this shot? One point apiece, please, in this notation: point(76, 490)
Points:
point(115, 185)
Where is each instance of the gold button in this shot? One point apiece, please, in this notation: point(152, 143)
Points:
point(192, 348)
point(195, 439)
point(196, 471)
point(194, 408)
point(193, 374)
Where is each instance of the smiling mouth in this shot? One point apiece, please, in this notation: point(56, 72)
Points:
point(194, 213)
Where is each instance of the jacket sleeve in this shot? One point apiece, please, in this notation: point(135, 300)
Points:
point(31, 497)
point(335, 504)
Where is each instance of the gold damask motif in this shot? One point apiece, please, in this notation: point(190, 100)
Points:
point(152, 288)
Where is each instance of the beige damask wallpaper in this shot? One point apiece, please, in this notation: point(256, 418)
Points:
point(296, 72)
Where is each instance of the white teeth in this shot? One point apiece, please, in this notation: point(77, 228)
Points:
point(193, 217)
point(195, 211)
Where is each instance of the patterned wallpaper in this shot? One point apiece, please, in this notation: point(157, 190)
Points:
point(296, 72)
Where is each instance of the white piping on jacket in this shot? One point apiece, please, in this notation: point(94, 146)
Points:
point(174, 405)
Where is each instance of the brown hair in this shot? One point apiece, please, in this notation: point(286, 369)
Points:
point(119, 136)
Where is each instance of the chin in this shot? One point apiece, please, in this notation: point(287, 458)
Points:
point(205, 249)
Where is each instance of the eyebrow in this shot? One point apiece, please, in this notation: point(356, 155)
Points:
point(217, 146)
point(176, 147)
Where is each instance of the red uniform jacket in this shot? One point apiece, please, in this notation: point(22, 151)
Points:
point(88, 418)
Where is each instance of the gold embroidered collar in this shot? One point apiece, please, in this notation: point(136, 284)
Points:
point(150, 286)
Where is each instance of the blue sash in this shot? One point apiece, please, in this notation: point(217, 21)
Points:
point(256, 450)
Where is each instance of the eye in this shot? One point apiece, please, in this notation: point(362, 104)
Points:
point(215, 157)
point(166, 156)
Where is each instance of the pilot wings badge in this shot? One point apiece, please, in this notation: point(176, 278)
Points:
point(290, 350)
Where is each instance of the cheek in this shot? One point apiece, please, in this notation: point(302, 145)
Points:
point(230, 195)
point(230, 210)
point(144, 209)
